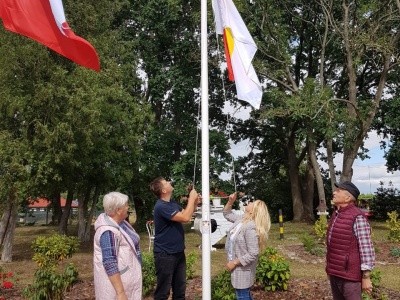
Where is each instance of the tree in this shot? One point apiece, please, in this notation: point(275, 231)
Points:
point(348, 49)
point(77, 129)
point(168, 47)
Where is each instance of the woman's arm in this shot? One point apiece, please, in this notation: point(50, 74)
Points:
point(118, 286)
point(228, 214)
point(108, 246)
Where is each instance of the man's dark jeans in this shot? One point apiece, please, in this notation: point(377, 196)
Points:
point(171, 273)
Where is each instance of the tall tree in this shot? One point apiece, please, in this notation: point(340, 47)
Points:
point(347, 47)
point(78, 128)
point(169, 50)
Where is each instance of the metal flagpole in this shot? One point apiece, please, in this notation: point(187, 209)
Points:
point(205, 179)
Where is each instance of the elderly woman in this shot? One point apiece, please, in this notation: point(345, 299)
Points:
point(245, 240)
point(117, 258)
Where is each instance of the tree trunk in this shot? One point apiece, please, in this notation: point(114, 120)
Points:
point(56, 206)
point(318, 177)
point(62, 228)
point(82, 212)
point(7, 226)
point(308, 195)
point(331, 165)
point(295, 186)
point(89, 219)
point(351, 148)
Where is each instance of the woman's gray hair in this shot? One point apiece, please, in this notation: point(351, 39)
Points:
point(114, 200)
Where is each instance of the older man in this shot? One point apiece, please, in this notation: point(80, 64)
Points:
point(350, 252)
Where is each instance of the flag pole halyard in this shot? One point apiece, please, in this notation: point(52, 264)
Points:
point(205, 173)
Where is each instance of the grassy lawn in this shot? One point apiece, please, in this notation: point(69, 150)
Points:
point(25, 267)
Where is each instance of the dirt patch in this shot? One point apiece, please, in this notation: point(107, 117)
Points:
point(299, 289)
point(382, 249)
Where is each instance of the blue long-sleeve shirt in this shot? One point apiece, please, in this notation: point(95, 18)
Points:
point(109, 248)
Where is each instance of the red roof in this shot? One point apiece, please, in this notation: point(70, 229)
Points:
point(44, 202)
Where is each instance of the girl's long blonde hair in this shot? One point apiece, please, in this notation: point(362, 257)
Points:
point(261, 218)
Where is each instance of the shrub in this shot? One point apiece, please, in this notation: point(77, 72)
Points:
point(148, 273)
point(320, 227)
point(394, 227)
point(384, 200)
point(149, 270)
point(311, 245)
point(191, 259)
point(221, 287)
point(395, 252)
point(7, 279)
point(308, 242)
point(49, 281)
point(272, 271)
point(376, 290)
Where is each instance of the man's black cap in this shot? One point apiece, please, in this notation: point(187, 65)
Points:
point(348, 186)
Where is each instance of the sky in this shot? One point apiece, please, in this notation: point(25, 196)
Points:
point(367, 174)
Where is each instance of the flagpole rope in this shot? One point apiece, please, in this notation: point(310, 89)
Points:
point(227, 115)
point(197, 143)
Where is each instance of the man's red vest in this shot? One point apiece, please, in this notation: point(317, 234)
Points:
point(343, 254)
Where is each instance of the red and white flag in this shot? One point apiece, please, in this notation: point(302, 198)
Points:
point(44, 21)
point(239, 51)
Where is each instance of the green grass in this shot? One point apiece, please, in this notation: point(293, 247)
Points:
point(25, 268)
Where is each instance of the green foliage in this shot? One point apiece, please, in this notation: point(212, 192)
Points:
point(221, 287)
point(49, 251)
point(50, 283)
point(320, 227)
point(308, 242)
point(191, 259)
point(272, 274)
point(272, 271)
point(385, 199)
point(311, 245)
point(148, 272)
point(377, 293)
point(58, 119)
point(394, 227)
point(395, 252)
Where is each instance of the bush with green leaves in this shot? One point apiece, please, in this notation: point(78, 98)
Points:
point(221, 287)
point(50, 283)
point(148, 273)
point(311, 246)
point(308, 242)
point(191, 259)
point(395, 252)
point(384, 200)
point(377, 293)
point(320, 227)
point(149, 270)
point(394, 227)
point(272, 271)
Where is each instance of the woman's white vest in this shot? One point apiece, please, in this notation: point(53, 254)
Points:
point(128, 263)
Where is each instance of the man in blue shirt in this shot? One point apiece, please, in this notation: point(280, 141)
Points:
point(169, 240)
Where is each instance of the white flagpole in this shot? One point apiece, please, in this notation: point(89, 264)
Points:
point(205, 168)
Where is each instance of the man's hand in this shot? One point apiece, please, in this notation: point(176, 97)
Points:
point(366, 285)
point(193, 196)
